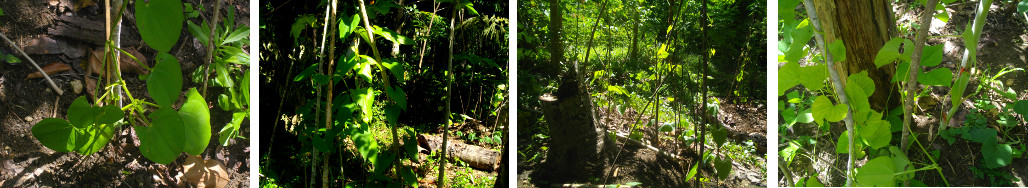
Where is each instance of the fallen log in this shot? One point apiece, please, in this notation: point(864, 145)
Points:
point(477, 157)
point(85, 30)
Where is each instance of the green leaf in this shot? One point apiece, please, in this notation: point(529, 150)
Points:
point(396, 68)
point(95, 137)
point(878, 172)
point(723, 167)
point(902, 72)
point(231, 129)
point(466, 5)
point(303, 21)
point(858, 88)
point(396, 94)
point(346, 63)
point(838, 50)
point(159, 23)
point(308, 72)
point(196, 120)
point(236, 35)
point(931, 55)
point(1021, 6)
point(824, 109)
point(347, 25)
point(1021, 107)
point(165, 81)
point(937, 77)
point(980, 135)
point(10, 58)
point(365, 69)
point(996, 155)
point(366, 146)
point(800, 36)
point(222, 77)
point(889, 52)
point(224, 101)
point(692, 172)
point(56, 134)
point(365, 98)
point(720, 135)
point(877, 133)
point(392, 114)
point(161, 142)
point(80, 113)
point(957, 93)
point(392, 35)
point(806, 116)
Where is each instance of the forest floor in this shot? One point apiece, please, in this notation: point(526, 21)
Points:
point(24, 162)
point(1003, 44)
point(746, 124)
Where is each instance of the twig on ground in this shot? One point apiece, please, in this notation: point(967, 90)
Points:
point(54, 86)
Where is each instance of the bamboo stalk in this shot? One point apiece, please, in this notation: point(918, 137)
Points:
point(969, 55)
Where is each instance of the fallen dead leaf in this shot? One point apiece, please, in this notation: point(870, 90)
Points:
point(204, 173)
point(83, 3)
point(127, 63)
point(51, 69)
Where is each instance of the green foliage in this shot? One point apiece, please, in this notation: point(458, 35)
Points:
point(878, 172)
point(160, 23)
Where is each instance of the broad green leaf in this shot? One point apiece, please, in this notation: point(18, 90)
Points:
point(720, 135)
point(244, 88)
point(365, 98)
point(392, 114)
point(980, 135)
point(1022, 6)
point(931, 55)
point(667, 127)
point(10, 58)
point(996, 155)
point(159, 23)
point(858, 88)
point(165, 81)
point(224, 101)
point(901, 163)
point(347, 25)
point(788, 76)
point(889, 52)
point(824, 109)
point(365, 69)
point(877, 133)
point(813, 77)
point(662, 53)
point(723, 167)
point(877, 172)
point(396, 68)
point(812, 181)
point(237, 35)
point(1021, 107)
point(800, 36)
point(80, 113)
point(937, 77)
point(838, 50)
point(302, 21)
point(346, 63)
point(162, 141)
point(308, 72)
point(221, 75)
point(396, 94)
point(366, 146)
point(91, 139)
point(806, 116)
point(196, 120)
point(56, 134)
point(466, 5)
point(902, 72)
point(392, 35)
point(842, 145)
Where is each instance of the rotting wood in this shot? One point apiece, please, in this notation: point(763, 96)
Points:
point(85, 30)
point(477, 157)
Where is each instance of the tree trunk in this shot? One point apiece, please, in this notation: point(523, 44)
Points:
point(576, 140)
point(864, 26)
point(556, 23)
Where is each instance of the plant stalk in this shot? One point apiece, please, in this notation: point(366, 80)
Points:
point(331, 24)
point(915, 68)
point(52, 85)
point(449, 94)
point(970, 54)
point(834, 75)
point(211, 46)
point(385, 79)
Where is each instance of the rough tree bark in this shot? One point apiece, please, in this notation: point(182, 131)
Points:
point(864, 26)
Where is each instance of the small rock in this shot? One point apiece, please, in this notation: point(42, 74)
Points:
point(76, 85)
point(28, 118)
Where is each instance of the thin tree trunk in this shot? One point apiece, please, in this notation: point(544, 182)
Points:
point(449, 89)
point(703, 84)
point(915, 68)
point(331, 24)
point(836, 79)
point(556, 25)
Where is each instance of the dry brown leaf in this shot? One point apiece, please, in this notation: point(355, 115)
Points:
point(204, 173)
point(91, 87)
point(84, 3)
point(51, 69)
point(128, 64)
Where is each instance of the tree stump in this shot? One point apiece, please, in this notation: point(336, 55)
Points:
point(577, 141)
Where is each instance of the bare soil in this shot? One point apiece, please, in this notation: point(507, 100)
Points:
point(24, 162)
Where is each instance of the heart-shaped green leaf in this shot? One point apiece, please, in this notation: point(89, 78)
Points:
point(159, 22)
point(196, 120)
point(937, 77)
point(824, 109)
point(396, 94)
point(165, 81)
point(931, 55)
point(877, 133)
point(56, 134)
point(395, 68)
point(162, 141)
point(996, 155)
point(392, 35)
point(838, 50)
point(723, 167)
point(877, 172)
